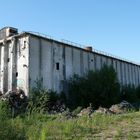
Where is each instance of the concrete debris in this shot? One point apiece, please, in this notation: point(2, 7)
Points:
point(67, 114)
point(102, 110)
point(86, 111)
point(57, 107)
point(17, 101)
point(116, 109)
point(121, 107)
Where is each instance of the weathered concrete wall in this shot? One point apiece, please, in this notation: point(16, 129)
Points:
point(98, 62)
point(91, 61)
point(34, 60)
point(85, 62)
point(69, 61)
point(14, 64)
point(46, 55)
point(26, 58)
point(22, 63)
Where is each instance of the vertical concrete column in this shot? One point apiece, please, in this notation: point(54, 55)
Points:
point(130, 72)
point(119, 71)
point(2, 68)
point(5, 67)
point(12, 65)
point(98, 62)
point(136, 75)
point(133, 76)
point(91, 62)
point(139, 75)
point(81, 63)
point(52, 65)
point(64, 85)
point(126, 74)
point(14, 62)
point(123, 73)
point(95, 62)
point(114, 65)
point(40, 61)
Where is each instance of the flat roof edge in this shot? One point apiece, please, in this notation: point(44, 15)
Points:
point(76, 47)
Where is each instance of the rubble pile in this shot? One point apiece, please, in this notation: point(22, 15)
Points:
point(57, 107)
point(102, 110)
point(86, 111)
point(121, 107)
point(116, 109)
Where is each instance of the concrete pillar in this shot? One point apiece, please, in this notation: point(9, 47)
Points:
point(119, 72)
point(139, 75)
point(85, 62)
point(12, 68)
point(126, 74)
point(98, 62)
point(104, 61)
point(109, 61)
point(136, 75)
point(133, 76)
point(91, 62)
point(2, 68)
point(130, 75)
point(115, 65)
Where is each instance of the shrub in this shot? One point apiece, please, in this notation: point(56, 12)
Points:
point(101, 88)
point(130, 93)
point(41, 100)
point(76, 111)
point(38, 99)
point(4, 110)
point(138, 92)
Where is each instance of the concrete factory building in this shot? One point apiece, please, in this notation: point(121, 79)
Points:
point(26, 57)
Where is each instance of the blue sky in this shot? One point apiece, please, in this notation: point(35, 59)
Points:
point(112, 26)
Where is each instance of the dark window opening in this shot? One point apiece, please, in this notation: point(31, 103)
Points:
point(8, 59)
point(91, 60)
point(24, 46)
point(16, 74)
point(24, 65)
point(57, 66)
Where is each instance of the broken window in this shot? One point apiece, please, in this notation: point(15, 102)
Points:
point(8, 59)
point(57, 66)
point(16, 74)
point(24, 45)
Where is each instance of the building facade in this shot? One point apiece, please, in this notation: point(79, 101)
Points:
point(26, 57)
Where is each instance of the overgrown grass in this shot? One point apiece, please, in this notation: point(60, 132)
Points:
point(51, 127)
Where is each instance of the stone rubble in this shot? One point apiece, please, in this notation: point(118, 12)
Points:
point(116, 109)
point(121, 107)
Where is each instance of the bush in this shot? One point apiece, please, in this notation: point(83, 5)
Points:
point(4, 110)
point(101, 88)
point(38, 99)
point(129, 93)
point(76, 111)
point(41, 100)
point(138, 92)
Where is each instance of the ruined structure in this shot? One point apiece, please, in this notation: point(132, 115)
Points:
point(26, 57)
